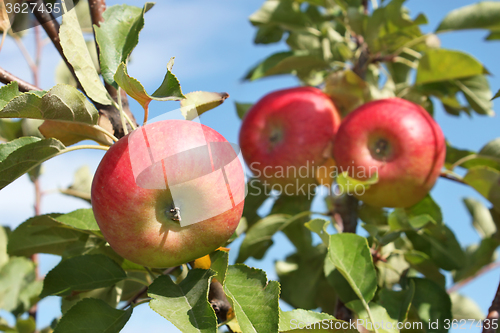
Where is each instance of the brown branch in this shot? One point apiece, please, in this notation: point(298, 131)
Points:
point(346, 207)
point(51, 27)
point(493, 314)
point(6, 78)
point(480, 272)
point(364, 58)
point(97, 7)
point(113, 114)
point(144, 289)
point(364, 3)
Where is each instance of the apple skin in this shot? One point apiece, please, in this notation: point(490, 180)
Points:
point(293, 127)
point(135, 220)
point(401, 141)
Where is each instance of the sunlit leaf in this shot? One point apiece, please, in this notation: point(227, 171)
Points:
point(118, 35)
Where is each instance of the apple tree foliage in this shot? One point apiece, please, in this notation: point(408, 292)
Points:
point(356, 53)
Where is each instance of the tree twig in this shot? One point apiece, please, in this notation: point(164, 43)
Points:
point(6, 78)
point(493, 314)
point(364, 3)
point(51, 27)
point(141, 291)
point(480, 272)
point(97, 8)
point(451, 177)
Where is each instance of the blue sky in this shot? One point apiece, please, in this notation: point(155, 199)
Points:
point(212, 43)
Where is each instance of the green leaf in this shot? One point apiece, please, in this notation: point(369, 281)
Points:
point(372, 320)
point(117, 36)
point(442, 65)
point(351, 256)
point(465, 308)
point(42, 238)
point(399, 220)
point(268, 35)
point(397, 303)
point(285, 14)
point(477, 93)
point(242, 109)
point(82, 183)
point(423, 264)
point(198, 102)
point(186, 304)
point(76, 52)
point(81, 219)
point(170, 90)
point(347, 89)
point(110, 295)
point(4, 326)
point(489, 155)
point(21, 155)
point(82, 273)
point(311, 322)
point(72, 133)
point(372, 215)
point(455, 154)
point(10, 129)
point(219, 264)
point(476, 257)
point(426, 206)
point(62, 73)
point(432, 304)
point(4, 257)
point(259, 237)
point(306, 266)
point(26, 325)
point(350, 185)
point(497, 94)
point(256, 196)
point(61, 102)
point(319, 227)
point(492, 151)
point(482, 15)
point(84, 17)
point(294, 229)
point(15, 277)
point(440, 244)
point(297, 62)
point(390, 27)
point(486, 181)
point(93, 315)
point(253, 298)
point(481, 218)
point(8, 92)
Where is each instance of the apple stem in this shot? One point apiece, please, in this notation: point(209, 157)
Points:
point(175, 214)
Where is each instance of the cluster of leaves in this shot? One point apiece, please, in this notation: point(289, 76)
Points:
point(333, 42)
point(396, 273)
point(91, 278)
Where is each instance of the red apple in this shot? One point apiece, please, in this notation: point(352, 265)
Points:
point(168, 193)
point(287, 134)
point(397, 139)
